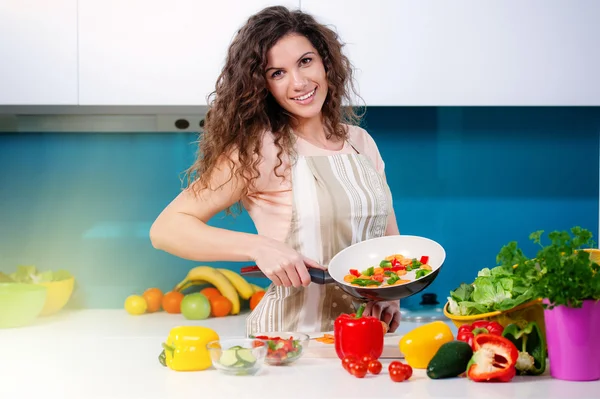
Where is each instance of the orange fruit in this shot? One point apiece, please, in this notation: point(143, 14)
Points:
point(219, 306)
point(255, 299)
point(153, 297)
point(210, 292)
point(171, 302)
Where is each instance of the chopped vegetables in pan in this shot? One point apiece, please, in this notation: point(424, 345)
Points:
point(391, 271)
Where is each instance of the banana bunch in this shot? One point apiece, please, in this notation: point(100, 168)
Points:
point(229, 283)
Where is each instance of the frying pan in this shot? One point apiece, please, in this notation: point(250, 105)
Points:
point(371, 252)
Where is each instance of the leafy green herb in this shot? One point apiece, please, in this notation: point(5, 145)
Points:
point(499, 288)
point(560, 272)
point(568, 275)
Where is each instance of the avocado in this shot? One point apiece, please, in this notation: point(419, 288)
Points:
point(450, 360)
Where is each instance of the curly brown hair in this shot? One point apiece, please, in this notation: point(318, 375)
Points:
point(242, 108)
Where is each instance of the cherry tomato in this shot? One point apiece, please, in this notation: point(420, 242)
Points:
point(347, 360)
point(366, 359)
point(358, 370)
point(397, 375)
point(408, 371)
point(374, 367)
point(395, 365)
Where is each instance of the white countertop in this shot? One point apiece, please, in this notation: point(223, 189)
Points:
point(93, 354)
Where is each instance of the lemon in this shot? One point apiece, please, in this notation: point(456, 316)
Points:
point(135, 305)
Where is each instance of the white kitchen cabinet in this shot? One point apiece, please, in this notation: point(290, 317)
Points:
point(38, 52)
point(470, 52)
point(156, 52)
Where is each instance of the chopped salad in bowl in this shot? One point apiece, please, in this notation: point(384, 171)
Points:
point(282, 347)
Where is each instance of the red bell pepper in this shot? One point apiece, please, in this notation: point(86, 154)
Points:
point(467, 332)
point(354, 272)
point(494, 359)
point(424, 259)
point(358, 335)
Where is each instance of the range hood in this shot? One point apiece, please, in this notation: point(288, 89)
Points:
point(117, 119)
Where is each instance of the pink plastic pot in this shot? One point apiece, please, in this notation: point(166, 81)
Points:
point(573, 344)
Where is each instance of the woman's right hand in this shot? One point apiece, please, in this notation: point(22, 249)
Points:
point(282, 264)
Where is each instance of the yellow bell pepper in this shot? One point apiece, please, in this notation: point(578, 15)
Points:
point(421, 344)
point(185, 348)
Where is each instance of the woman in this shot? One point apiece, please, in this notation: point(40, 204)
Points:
point(276, 143)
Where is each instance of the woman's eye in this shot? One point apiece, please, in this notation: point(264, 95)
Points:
point(305, 60)
point(276, 74)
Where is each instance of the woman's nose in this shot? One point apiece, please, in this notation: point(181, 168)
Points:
point(299, 80)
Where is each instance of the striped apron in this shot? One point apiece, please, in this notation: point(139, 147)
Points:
point(338, 200)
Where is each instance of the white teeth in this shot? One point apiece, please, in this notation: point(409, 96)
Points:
point(304, 97)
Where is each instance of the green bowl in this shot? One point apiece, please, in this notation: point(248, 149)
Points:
point(20, 304)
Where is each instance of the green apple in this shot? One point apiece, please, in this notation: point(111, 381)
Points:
point(195, 306)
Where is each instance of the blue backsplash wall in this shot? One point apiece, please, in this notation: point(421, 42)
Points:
point(471, 178)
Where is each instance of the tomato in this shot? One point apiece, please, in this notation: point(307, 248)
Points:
point(397, 375)
point(408, 371)
point(366, 359)
point(358, 370)
point(347, 361)
point(374, 367)
point(396, 368)
point(395, 365)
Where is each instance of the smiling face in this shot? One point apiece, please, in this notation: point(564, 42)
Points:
point(296, 77)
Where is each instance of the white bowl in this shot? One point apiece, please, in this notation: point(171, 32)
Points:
point(371, 252)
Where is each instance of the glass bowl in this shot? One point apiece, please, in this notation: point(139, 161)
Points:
point(237, 356)
point(283, 347)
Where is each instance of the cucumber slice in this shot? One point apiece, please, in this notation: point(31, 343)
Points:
point(228, 357)
point(236, 347)
point(246, 356)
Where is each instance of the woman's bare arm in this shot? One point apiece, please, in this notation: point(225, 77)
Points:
point(181, 229)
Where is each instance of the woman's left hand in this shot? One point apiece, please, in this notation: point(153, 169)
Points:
point(388, 312)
